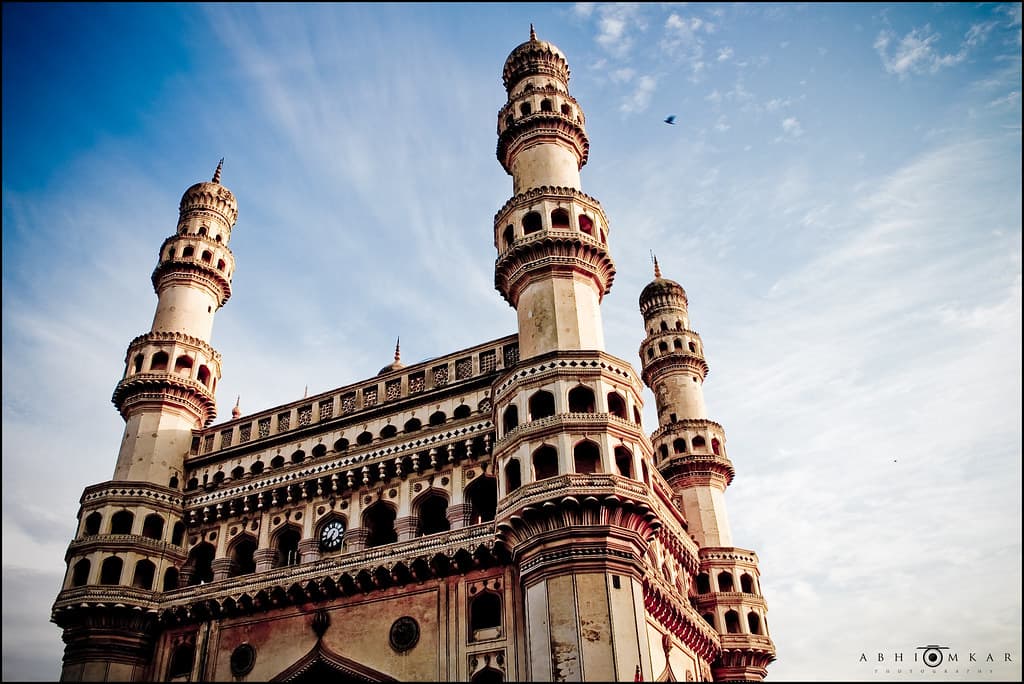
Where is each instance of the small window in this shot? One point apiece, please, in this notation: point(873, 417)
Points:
point(617, 405)
point(178, 533)
point(237, 473)
point(545, 463)
point(207, 256)
point(379, 520)
point(183, 365)
point(703, 583)
point(200, 564)
point(256, 468)
point(624, 461)
point(287, 547)
point(437, 418)
point(679, 446)
point(171, 579)
point(698, 442)
point(525, 109)
point(277, 461)
point(542, 405)
point(513, 476)
point(138, 363)
point(545, 106)
point(715, 446)
point(159, 362)
point(181, 662)
point(482, 496)
point(560, 219)
point(121, 523)
point(732, 622)
point(754, 622)
point(412, 425)
point(508, 237)
point(153, 527)
point(433, 515)
point(586, 458)
point(144, 573)
point(341, 445)
point(725, 581)
point(531, 223)
point(746, 584)
point(388, 431)
point(581, 400)
point(188, 251)
point(485, 616)
point(110, 571)
point(92, 523)
point(319, 451)
point(80, 575)
point(510, 419)
point(586, 225)
point(462, 411)
point(364, 438)
point(567, 110)
point(242, 556)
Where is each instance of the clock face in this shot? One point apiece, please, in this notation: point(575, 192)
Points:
point(332, 535)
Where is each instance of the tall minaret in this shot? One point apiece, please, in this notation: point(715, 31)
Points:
point(552, 239)
point(690, 453)
point(130, 539)
point(575, 509)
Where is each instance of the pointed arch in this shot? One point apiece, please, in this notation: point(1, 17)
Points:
point(379, 521)
point(286, 544)
point(321, 664)
point(482, 496)
point(431, 510)
point(545, 462)
point(242, 552)
point(586, 457)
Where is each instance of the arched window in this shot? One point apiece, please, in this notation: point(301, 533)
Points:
point(110, 571)
point(80, 575)
point(513, 476)
point(188, 251)
point(485, 616)
point(171, 579)
point(462, 411)
point(746, 584)
point(725, 581)
point(545, 105)
point(581, 400)
point(137, 365)
point(192, 484)
point(217, 237)
point(159, 362)
point(433, 515)
point(412, 425)
point(437, 418)
point(299, 456)
point(525, 109)
point(650, 352)
point(287, 547)
point(587, 225)
point(242, 556)
point(560, 219)
point(679, 325)
point(202, 230)
point(732, 622)
point(662, 347)
point(181, 662)
point(379, 520)
point(388, 431)
point(664, 326)
point(319, 451)
point(256, 468)
point(709, 618)
point(482, 496)
point(153, 527)
point(170, 253)
point(636, 415)
point(754, 622)
point(677, 344)
point(183, 364)
point(173, 482)
point(542, 405)
point(364, 438)
point(693, 347)
point(624, 461)
point(178, 534)
point(617, 405)
point(218, 477)
point(698, 442)
point(531, 223)
point(545, 462)
point(509, 121)
point(566, 109)
point(663, 450)
point(144, 572)
point(341, 445)
point(586, 458)
point(207, 256)
point(679, 446)
point(277, 461)
point(510, 419)
point(220, 264)
point(121, 523)
point(509, 236)
point(703, 583)
point(715, 446)
point(204, 375)
point(92, 523)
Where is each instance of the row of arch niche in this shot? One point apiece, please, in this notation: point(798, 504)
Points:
point(732, 622)
point(430, 512)
point(202, 232)
point(112, 569)
point(206, 257)
point(586, 456)
point(698, 442)
point(581, 399)
point(182, 366)
point(677, 345)
point(123, 522)
point(560, 220)
point(725, 583)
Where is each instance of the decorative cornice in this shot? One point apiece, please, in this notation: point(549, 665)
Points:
point(165, 387)
point(156, 337)
point(539, 128)
point(673, 361)
point(553, 251)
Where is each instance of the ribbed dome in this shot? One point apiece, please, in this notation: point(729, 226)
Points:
point(535, 57)
point(662, 286)
point(211, 195)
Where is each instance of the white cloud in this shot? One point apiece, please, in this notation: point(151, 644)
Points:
point(624, 75)
point(918, 53)
point(724, 54)
point(791, 126)
point(640, 98)
point(722, 125)
point(682, 40)
point(616, 24)
point(1009, 99)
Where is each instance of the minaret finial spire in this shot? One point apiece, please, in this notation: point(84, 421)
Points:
point(398, 352)
point(237, 411)
point(216, 174)
point(657, 269)
point(533, 34)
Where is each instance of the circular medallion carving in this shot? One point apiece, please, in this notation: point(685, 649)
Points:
point(392, 493)
point(405, 633)
point(242, 660)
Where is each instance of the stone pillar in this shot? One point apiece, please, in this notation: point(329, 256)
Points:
point(222, 568)
point(355, 538)
point(264, 559)
point(459, 515)
point(406, 527)
point(309, 550)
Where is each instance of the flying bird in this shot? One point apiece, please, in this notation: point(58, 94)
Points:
point(670, 119)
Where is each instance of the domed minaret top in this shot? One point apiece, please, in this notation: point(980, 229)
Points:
point(397, 363)
point(535, 57)
point(211, 196)
point(661, 293)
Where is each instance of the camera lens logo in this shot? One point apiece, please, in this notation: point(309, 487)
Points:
point(932, 656)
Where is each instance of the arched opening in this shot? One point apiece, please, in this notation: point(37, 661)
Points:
point(725, 581)
point(277, 461)
point(144, 573)
point(508, 236)
point(531, 223)
point(488, 675)
point(287, 547)
point(181, 662)
point(121, 523)
point(237, 473)
point(566, 109)
point(202, 231)
point(433, 515)
point(693, 347)
point(482, 496)
point(703, 583)
point(509, 121)
point(716, 446)
point(709, 618)
point(364, 438)
point(204, 375)
point(341, 445)
point(624, 461)
point(664, 326)
point(159, 362)
point(586, 225)
point(299, 456)
point(617, 405)
point(137, 364)
point(192, 484)
point(207, 256)
point(698, 442)
point(170, 253)
point(388, 431)
point(319, 451)
point(188, 251)
point(110, 571)
point(218, 477)
point(183, 365)
point(542, 405)
point(732, 622)
point(581, 400)
point(173, 482)
point(412, 425)
point(257, 468)
point(437, 418)
point(178, 534)
point(586, 457)
point(242, 554)
point(80, 574)
point(485, 616)
point(379, 521)
point(746, 584)
point(663, 450)
point(754, 622)
point(153, 527)
point(679, 446)
point(92, 523)
point(545, 106)
point(513, 476)
point(525, 109)
point(220, 264)
point(462, 411)
point(636, 416)
point(662, 347)
point(171, 579)
point(650, 352)
point(545, 463)
point(677, 344)
point(560, 219)
point(510, 419)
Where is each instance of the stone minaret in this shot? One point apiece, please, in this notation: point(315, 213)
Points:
point(690, 453)
point(131, 531)
point(574, 508)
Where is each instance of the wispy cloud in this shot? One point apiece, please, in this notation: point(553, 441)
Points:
point(791, 127)
point(640, 98)
point(683, 39)
point(917, 52)
point(724, 54)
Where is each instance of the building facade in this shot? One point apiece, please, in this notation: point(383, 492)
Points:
point(497, 513)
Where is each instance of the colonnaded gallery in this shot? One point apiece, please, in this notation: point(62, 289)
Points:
point(495, 513)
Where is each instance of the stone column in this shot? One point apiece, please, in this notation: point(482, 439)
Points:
point(459, 515)
point(309, 550)
point(355, 538)
point(221, 568)
point(264, 559)
point(406, 527)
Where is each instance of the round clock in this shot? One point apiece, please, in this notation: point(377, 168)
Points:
point(331, 536)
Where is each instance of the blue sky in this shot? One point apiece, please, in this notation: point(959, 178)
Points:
point(840, 197)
